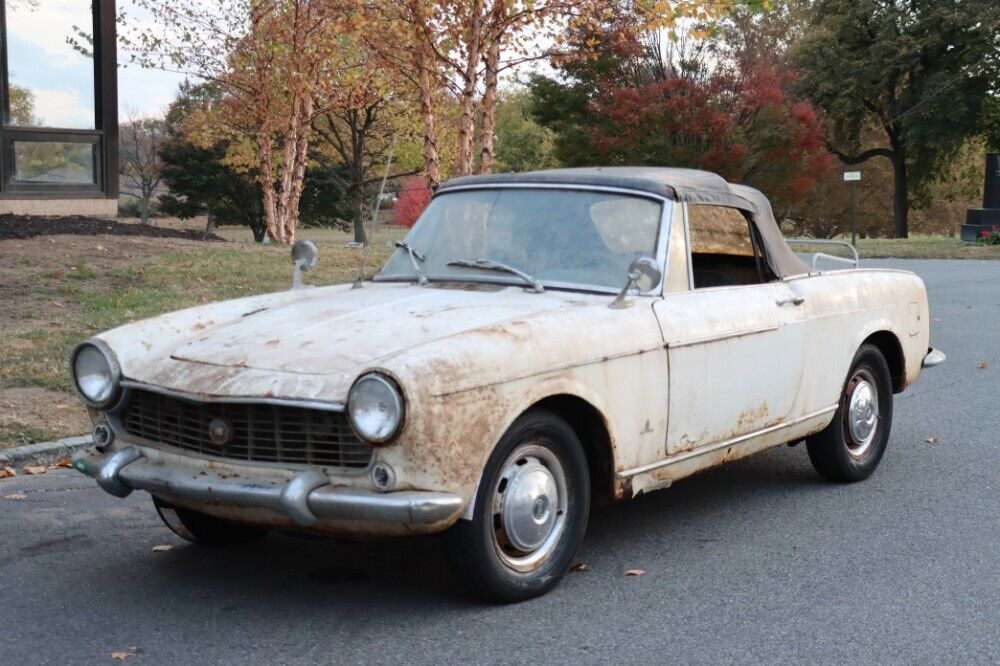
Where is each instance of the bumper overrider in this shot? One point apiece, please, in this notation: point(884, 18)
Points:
point(934, 358)
point(306, 497)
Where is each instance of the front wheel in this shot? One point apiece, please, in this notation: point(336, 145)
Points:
point(203, 529)
point(530, 512)
point(851, 447)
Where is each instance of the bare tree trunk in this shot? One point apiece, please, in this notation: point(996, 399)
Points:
point(467, 121)
point(291, 143)
point(144, 205)
point(359, 216)
point(426, 84)
point(267, 187)
point(258, 12)
point(488, 132)
point(298, 168)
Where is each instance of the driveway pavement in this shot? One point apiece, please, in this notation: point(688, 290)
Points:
point(756, 562)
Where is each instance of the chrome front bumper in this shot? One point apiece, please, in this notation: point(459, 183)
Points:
point(306, 498)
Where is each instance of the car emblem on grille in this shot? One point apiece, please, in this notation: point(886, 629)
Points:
point(220, 432)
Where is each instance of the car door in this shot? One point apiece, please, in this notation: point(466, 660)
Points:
point(735, 343)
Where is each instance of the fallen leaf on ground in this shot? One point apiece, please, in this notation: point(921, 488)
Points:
point(162, 549)
point(931, 440)
point(122, 656)
point(35, 469)
point(635, 572)
point(580, 566)
point(7, 471)
point(16, 496)
point(62, 464)
point(983, 366)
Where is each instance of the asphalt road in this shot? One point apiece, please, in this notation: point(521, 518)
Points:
point(756, 562)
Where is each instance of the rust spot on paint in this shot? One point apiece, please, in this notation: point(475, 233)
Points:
point(753, 415)
point(518, 331)
point(663, 475)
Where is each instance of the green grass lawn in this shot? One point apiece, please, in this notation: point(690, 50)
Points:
point(926, 247)
point(917, 247)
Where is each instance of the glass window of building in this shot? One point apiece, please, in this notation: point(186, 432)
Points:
point(50, 64)
point(59, 107)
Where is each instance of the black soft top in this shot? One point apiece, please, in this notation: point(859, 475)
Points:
point(687, 185)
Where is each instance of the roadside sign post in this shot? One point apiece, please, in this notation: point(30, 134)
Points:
point(853, 177)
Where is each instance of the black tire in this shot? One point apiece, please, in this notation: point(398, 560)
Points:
point(481, 548)
point(204, 529)
point(837, 452)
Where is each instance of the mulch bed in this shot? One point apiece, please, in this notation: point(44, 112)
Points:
point(21, 226)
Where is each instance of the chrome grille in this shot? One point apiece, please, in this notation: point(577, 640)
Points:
point(258, 432)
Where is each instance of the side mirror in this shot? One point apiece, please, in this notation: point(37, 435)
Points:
point(305, 254)
point(643, 274)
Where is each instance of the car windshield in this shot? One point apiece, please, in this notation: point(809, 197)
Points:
point(553, 236)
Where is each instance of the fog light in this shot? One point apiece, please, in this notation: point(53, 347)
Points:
point(103, 436)
point(383, 477)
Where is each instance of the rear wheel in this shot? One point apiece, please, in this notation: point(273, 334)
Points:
point(203, 529)
point(851, 447)
point(530, 512)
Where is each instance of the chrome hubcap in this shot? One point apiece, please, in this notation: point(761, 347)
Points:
point(862, 412)
point(529, 507)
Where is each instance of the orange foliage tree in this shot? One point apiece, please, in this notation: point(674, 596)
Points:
point(280, 64)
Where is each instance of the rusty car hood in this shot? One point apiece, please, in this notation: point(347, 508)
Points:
point(335, 330)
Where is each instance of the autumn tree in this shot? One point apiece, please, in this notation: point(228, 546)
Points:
point(280, 64)
point(744, 126)
point(903, 81)
point(465, 46)
point(413, 199)
point(200, 179)
point(649, 97)
point(363, 129)
point(141, 168)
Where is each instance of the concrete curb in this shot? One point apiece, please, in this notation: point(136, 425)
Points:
point(44, 453)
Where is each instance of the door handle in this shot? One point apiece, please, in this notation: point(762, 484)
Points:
point(791, 300)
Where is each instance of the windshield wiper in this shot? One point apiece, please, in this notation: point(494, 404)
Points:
point(490, 265)
point(416, 259)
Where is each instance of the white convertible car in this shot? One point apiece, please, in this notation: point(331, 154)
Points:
point(538, 339)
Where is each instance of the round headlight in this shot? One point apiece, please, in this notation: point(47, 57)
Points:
point(376, 408)
point(95, 374)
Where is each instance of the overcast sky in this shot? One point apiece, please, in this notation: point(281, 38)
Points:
point(144, 90)
point(60, 78)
